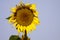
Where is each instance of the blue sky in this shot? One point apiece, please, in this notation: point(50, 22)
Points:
point(49, 15)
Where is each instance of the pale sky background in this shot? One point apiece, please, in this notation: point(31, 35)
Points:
point(49, 15)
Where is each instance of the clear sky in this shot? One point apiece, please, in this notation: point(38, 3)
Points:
point(49, 15)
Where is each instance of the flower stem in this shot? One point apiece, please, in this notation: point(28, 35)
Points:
point(25, 37)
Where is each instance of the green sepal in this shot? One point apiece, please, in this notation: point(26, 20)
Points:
point(8, 17)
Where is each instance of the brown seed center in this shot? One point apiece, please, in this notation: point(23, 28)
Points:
point(24, 17)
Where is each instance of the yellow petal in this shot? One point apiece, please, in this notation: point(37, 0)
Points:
point(15, 24)
point(13, 9)
point(36, 13)
point(36, 20)
point(18, 30)
point(27, 4)
point(12, 14)
point(33, 6)
point(33, 26)
point(10, 20)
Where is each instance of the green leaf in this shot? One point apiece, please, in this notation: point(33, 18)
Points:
point(14, 37)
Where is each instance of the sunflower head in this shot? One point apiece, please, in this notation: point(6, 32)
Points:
point(24, 17)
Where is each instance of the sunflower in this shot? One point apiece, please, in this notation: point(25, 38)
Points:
point(24, 17)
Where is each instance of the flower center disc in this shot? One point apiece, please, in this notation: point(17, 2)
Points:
point(24, 17)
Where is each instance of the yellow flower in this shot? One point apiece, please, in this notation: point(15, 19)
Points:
point(24, 17)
